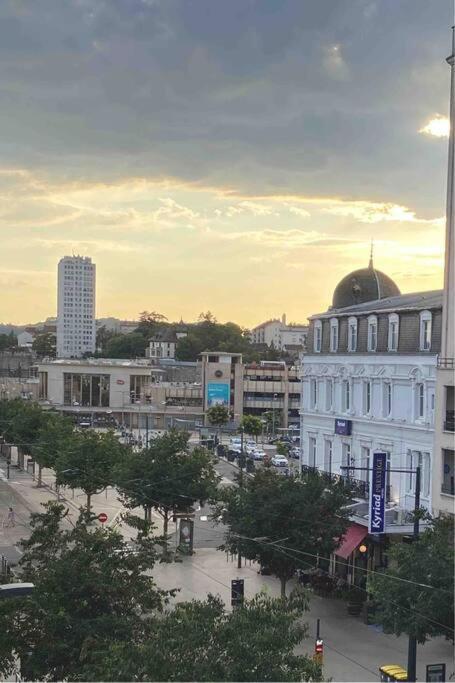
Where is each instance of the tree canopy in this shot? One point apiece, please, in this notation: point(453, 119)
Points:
point(416, 592)
point(218, 415)
point(167, 477)
point(52, 437)
point(252, 424)
point(90, 591)
point(306, 515)
point(201, 641)
point(45, 344)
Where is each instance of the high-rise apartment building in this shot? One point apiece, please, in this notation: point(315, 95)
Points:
point(76, 332)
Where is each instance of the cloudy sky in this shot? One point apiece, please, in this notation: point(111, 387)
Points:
point(231, 155)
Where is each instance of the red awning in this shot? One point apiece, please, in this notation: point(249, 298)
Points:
point(352, 538)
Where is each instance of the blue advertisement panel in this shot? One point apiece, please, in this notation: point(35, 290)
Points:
point(218, 394)
point(376, 522)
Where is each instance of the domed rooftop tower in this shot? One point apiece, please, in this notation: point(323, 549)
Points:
point(365, 284)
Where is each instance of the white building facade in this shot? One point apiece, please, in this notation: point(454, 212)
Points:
point(279, 334)
point(76, 331)
point(368, 384)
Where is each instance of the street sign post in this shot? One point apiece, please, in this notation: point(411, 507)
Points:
point(102, 517)
point(376, 518)
point(436, 672)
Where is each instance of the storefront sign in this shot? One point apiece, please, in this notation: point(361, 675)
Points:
point(343, 427)
point(376, 522)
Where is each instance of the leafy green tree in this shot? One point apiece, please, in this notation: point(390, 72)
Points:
point(167, 477)
point(201, 641)
point(23, 425)
point(252, 425)
point(273, 420)
point(150, 323)
point(416, 592)
point(45, 345)
point(51, 440)
point(307, 515)
point(130, 345)
point(103, 337)
point(8, 341)
point(218, 416)
point(90, 591)
point(87, 461)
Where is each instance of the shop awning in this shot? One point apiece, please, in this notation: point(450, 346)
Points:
point(352, 538)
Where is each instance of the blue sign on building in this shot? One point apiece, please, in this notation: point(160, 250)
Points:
point(376, 522)
point(343, 427)
point(218, 394)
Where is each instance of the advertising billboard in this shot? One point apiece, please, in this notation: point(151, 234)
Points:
point(376, 522)
point(218, 394)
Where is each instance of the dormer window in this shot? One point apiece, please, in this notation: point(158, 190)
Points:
point(352, 334)
point(425, 331)
point(372, 333)
point(333, 335)
point(317, 342)
point(392, 344)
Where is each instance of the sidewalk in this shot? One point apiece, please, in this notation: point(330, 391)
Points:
point(352, 650)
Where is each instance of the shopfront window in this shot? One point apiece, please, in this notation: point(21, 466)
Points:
point(86, 390)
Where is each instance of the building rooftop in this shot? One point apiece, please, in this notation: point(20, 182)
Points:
point(414, 301)
point(103, 362)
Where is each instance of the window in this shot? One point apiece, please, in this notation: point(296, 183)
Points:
point(392, 344)
point(420, 400)
point(416, 459)
point(448, 470)
point(365, 463)
point(327, 456)
point(86, 390)
point(372, 333)
point(333, 335)
point(42, 385)
point(425, 331)
point(346, 395)
point(346, 460)
point(387, 399)
point(328, 394)
point(312, 451)
point(352, 334)
point(314, 393)
point(367, 397)
point(317, 344)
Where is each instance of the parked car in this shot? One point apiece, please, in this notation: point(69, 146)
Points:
point(258, 454)
point(279, 461)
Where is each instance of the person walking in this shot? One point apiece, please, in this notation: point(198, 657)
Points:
point(11, 518)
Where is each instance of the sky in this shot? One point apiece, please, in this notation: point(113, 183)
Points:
point(235, 156)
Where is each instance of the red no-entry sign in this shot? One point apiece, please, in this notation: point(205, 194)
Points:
point(102, 517)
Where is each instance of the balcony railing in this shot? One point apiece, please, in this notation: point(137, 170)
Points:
point(448, 363)
point(359, 487)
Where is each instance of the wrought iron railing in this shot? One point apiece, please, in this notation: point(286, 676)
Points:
point(359, 487)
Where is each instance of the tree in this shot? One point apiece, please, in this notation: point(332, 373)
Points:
point(23, 425)
point(218, 415)
point(415, 594)
point(150, 323)
point(103, 337)
point(87, 461)
point(8, 341)
point(126, 345)
point(306, 515)
point(89, 592)
point(273, 420)
point(201, 641)
point(51, 439)
point(166, 477)
point(252, 425)
point(45, 344)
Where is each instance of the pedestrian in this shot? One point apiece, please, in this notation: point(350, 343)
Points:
point(10, 518)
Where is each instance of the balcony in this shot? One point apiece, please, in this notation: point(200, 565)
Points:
point(446, 363)
point(359, 487)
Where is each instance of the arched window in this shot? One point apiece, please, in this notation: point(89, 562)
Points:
point(317, 341)
point(394, 326)
point(372, 333)
point(333, 335)
point(352, 334)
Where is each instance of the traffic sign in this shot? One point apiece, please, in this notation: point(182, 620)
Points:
point(102, 517)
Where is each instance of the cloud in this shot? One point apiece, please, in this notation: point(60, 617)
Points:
point(88, 246)
point(334, 63)
point(438, 127)
point(298, 211)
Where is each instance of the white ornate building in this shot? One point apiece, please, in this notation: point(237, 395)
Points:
point(368, 383)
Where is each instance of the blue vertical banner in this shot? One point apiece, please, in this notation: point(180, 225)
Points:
point(376, 521)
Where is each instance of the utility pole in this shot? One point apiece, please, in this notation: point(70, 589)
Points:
point(412, 643)
point(146, 430)
point(239, 556)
